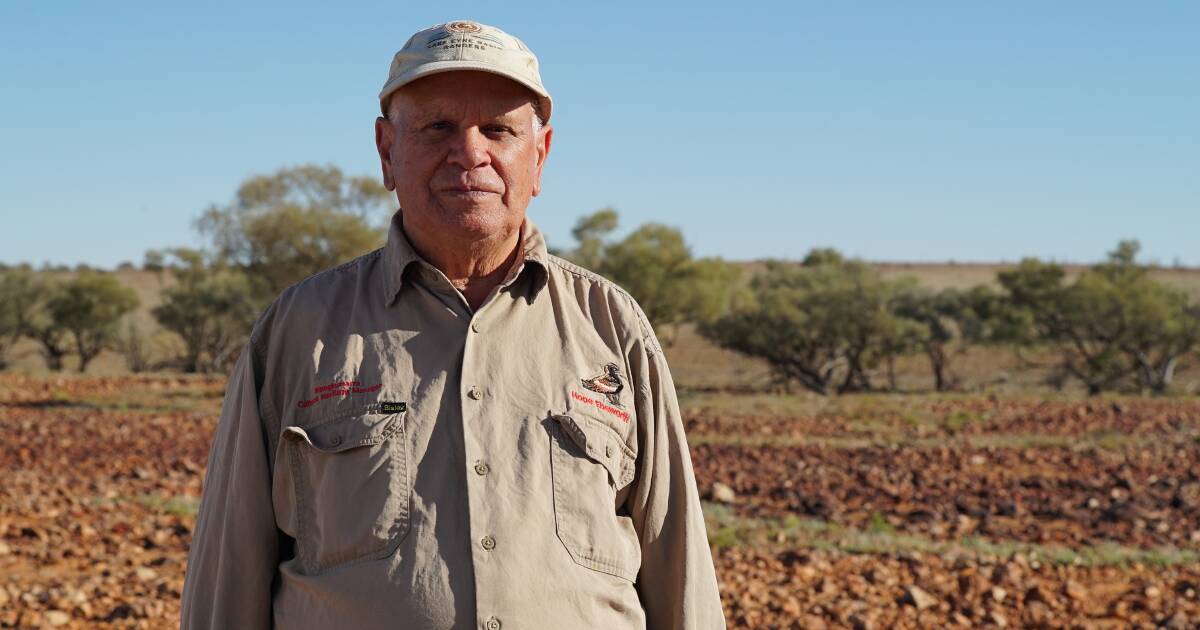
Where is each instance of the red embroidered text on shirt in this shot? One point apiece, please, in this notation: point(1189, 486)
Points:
point(623, 415)
point(337, 389)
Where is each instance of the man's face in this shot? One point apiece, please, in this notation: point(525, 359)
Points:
point(462, 154)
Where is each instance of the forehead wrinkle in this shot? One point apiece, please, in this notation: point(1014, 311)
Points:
point(422, 110)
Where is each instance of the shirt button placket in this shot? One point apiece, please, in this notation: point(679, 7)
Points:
point(478, 444)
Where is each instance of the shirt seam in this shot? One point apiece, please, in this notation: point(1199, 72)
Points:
point(269, 421)
point(647, 333)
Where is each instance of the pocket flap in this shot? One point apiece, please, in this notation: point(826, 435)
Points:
point(601, 444)
point(366, 428)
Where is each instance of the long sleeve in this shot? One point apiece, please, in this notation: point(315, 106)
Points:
point(677, 583)
point(235, 547)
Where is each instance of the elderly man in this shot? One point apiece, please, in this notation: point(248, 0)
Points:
point(457, 430)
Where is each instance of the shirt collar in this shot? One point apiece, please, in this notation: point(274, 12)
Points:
point(399, 253)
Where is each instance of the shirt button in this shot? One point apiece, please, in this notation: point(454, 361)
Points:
point(608, 450)
point(474, 393)
point(475, 326)
point(488, 543)
point(335, 439)
point(492, 623)
point(481, 468)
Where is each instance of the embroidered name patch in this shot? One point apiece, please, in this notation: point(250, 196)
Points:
point(393, 407)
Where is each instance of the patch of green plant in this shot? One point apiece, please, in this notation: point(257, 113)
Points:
point(879, 525)
point(179, 505)
point(958, 419)
point(879, 536)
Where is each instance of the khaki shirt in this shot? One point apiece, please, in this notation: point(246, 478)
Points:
point(387, 458)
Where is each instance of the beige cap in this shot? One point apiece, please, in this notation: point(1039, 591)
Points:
point(465, 45)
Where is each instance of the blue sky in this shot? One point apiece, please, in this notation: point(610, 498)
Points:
point(892, 131)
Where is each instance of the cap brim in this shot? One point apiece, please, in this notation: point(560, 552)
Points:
point(438, 67)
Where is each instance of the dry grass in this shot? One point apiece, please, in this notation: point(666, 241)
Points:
point(727, 529)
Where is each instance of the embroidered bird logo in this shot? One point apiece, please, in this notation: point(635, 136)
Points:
point(607, 382)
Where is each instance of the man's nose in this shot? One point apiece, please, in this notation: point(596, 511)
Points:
point(469, 149)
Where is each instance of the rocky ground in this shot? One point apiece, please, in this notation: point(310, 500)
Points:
point(878, 512)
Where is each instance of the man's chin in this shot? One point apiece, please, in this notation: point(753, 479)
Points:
point(470, 221)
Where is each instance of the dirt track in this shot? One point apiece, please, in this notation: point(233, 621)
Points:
point(946, 513)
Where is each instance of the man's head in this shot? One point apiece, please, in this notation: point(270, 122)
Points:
point(462, 141)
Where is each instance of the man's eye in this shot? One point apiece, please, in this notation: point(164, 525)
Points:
point(497, 129)
point(439, 125)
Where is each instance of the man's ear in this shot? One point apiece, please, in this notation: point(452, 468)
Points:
point(384, 136)
point(543, 151)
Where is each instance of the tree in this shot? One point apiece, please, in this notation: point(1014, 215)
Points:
point(655, 265)
point(53, 340)
point(1156, 325)
point(210, 308)
point(1114, 327)
point(18, 299)
point(283, 227)
point(824, 324)
point(713, 287)
point(949, 322)
point(590, 232)
point(132, 342)
point(88, 307)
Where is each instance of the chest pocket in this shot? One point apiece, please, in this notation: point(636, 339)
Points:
point(590, 463)
point(352, 488)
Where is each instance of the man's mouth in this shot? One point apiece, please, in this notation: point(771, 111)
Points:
point(468, 192)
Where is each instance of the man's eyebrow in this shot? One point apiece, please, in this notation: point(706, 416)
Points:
point(422, 118)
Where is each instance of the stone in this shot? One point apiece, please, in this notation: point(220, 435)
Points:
point(146, 574)
point(916, 596)
point(723, 493)
point(57, 618)
point(863, 621)
point(1188, 495)
point(1039, 613)
point(1075, 590)
point(813, 622)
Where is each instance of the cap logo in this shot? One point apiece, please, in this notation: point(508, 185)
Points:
point(462, 26)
